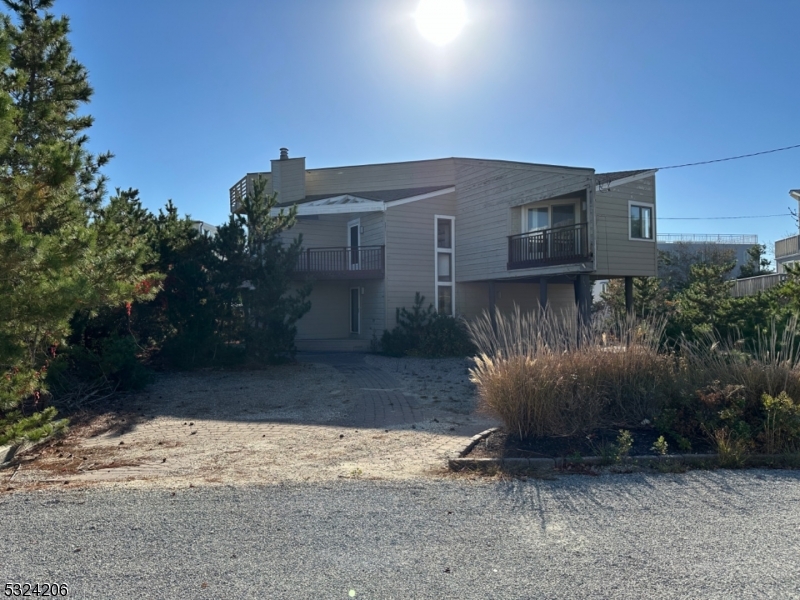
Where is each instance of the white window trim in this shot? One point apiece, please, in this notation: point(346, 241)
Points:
point(452, 251)
point(652, 208)
point(350, 315)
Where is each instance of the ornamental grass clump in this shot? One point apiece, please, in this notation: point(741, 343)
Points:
point(543, 375)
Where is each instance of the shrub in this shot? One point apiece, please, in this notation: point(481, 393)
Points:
point(423, 332)
point(543, 376)
point(781, 424)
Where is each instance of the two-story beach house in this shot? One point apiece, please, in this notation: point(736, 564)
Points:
point(468, 234)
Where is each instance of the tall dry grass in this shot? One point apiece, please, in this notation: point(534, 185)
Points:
point(542, 374)
point(768, 364)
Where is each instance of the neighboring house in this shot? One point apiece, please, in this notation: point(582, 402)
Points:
point(705, 245)
point(205, 228)
point(787, 251)
point(469, 234)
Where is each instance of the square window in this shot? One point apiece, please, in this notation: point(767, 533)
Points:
point(641, 227)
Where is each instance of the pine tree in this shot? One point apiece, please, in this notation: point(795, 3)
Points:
point(257, 268)
point(757, 262)
point(60, 250)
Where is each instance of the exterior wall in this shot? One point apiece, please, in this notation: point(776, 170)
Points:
point(489, 196)
point(330, 231)
point(323, 231)
point(615, 254)
point(365, 178)
point(329, 317)
point(473, 298)
point(410, 252)
point(289, 179)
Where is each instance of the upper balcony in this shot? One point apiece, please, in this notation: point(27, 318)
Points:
point(243, 187)
point(787, 246)
point(353, 262)
point(545, 247)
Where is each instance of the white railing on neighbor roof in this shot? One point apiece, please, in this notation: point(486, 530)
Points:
point(709, 238)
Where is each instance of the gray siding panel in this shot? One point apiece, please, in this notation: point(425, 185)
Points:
point(617, 256)
point(473, 298)
point(329, 317)
point(380, 177)
point(488, 197)
point(410, 252)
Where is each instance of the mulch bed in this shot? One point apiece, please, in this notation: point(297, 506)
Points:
point(501, 444)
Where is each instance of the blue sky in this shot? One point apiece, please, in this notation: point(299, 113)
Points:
point(192, 94)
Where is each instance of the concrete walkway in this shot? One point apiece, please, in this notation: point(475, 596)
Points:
point(380, 401)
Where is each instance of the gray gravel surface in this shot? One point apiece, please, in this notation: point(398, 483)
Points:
point(721, 534)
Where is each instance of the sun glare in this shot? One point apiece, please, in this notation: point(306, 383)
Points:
point(440, 21)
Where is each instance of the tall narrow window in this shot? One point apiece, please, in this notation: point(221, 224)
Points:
point(355, 310)
point(445, 264)
point(353, 243)
point(641, 221)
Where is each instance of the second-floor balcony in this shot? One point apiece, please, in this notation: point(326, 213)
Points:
point(342, 262)
point(787, 246)
point(545, 247)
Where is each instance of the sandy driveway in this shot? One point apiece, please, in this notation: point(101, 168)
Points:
point(327, 417)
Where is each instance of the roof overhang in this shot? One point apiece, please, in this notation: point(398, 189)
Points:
point(612, 184)
point(348, 204)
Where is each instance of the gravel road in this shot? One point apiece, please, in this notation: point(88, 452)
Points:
point(720, 534)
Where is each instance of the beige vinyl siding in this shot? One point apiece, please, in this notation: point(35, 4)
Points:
point(373, 224)
point(329, 317)
point(373, 315)
point(618, 256)
point(341, 180)
point(324, 231)
point(252, 177)
point(289, 179)
point(410, 252)
point(489, 197)
point(473, 298)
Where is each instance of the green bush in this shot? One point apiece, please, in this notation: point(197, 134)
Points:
point(423, 332)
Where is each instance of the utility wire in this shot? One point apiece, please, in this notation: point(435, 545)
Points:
point(708, 162)
point(716, 218)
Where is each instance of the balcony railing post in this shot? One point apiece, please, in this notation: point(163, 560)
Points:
point(558, 245)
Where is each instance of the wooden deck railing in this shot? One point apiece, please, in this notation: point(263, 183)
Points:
point(237, 193)
point(557, 246)
point(787, 246)
point(752, 285)
point(356, 262)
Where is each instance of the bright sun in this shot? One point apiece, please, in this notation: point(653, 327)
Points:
point(440, 21)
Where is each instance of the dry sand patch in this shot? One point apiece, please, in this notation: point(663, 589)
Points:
point(279, 424)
